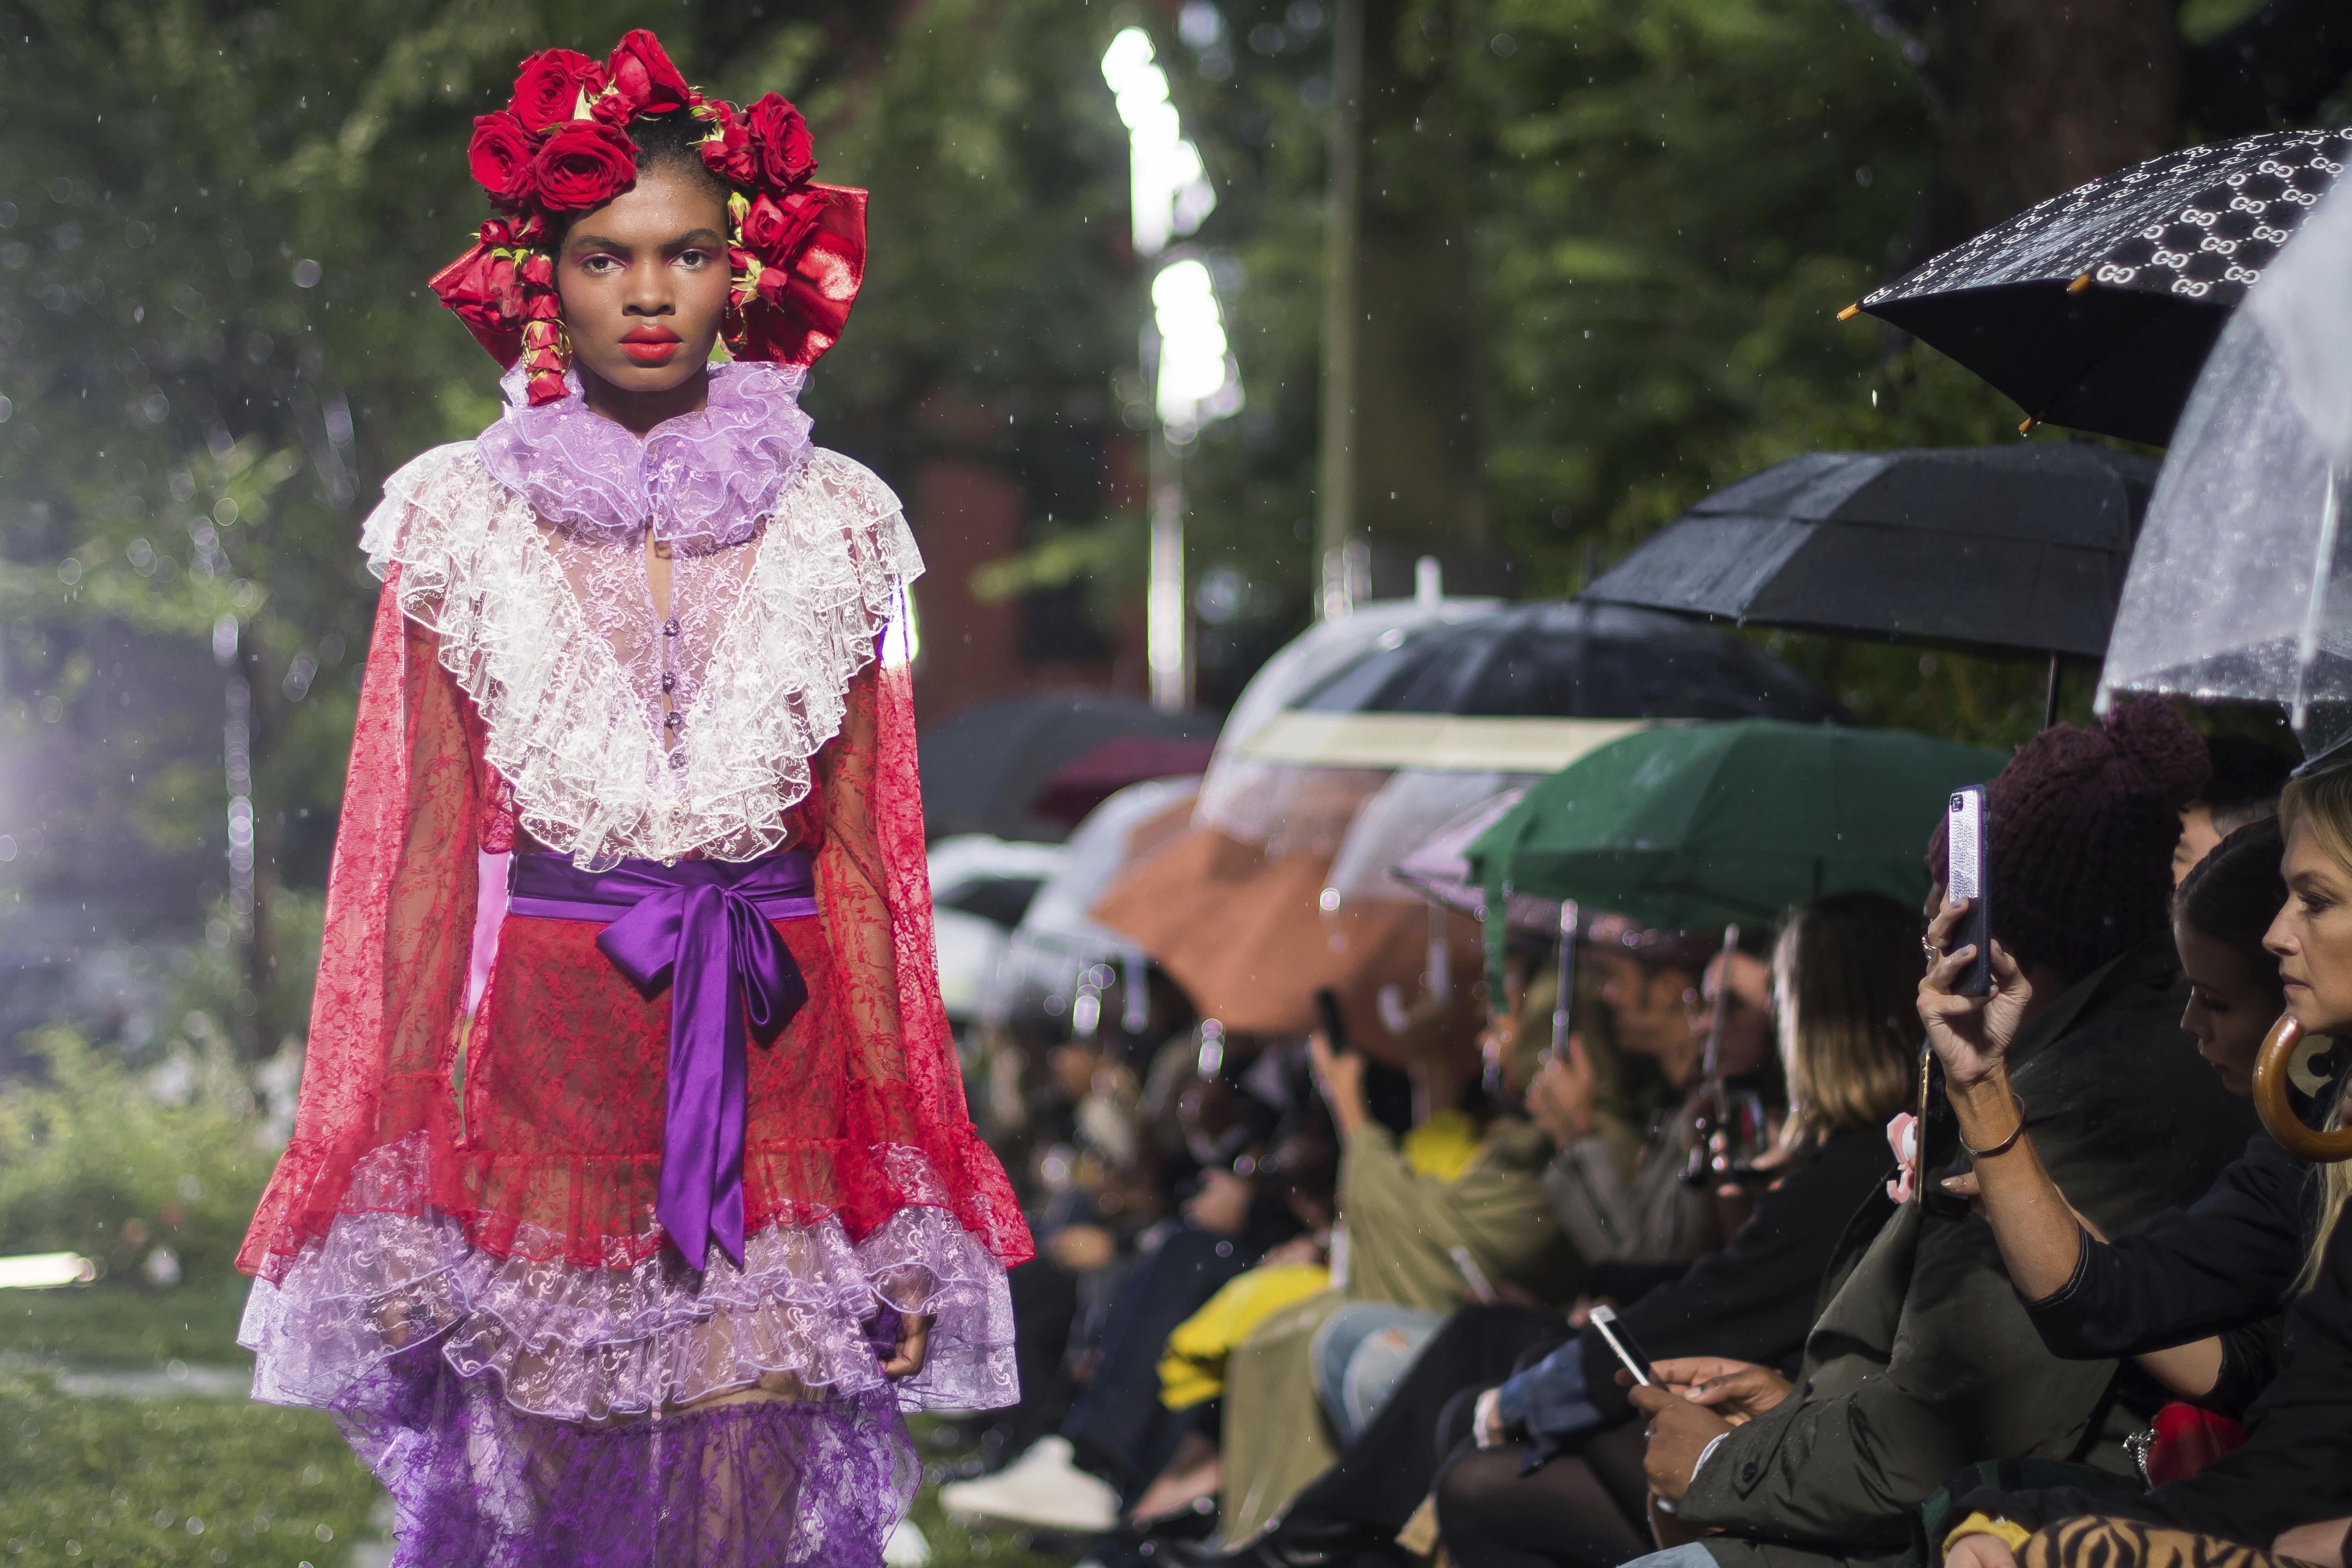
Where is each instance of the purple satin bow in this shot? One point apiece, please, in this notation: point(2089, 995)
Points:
point(703, 929)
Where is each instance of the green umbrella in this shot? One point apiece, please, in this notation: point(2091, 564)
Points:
point(1692, 825)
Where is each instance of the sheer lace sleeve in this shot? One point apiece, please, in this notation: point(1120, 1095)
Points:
point(865, 818)
point(399, 920)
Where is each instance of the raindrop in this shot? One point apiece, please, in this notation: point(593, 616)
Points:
point(8, 214)
point(306, 274)
point(1305, 15)
point(135, 233)
point(7, 846)
point(154, 405)
point(1265, 38)
point(6, 408)
point(70, 571)
point(61, 189)
point(225, 511)
point(1504, 45)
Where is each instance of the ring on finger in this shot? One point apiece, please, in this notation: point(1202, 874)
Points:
point(1935, 955)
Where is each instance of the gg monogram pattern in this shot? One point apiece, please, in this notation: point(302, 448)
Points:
point(2202, 223)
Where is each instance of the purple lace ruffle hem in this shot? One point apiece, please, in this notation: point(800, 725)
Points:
point(761, 1483)
point(706, 479)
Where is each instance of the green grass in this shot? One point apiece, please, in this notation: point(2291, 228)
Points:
point(105, 1325)
point(117, 1480)
point(195, 1481)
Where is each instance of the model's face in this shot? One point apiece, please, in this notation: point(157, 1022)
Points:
point(642, 280)
point(2233, 1002)
point(2313, 936)
point(2197, 840)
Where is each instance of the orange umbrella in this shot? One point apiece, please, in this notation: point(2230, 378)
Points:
point(1247, 935)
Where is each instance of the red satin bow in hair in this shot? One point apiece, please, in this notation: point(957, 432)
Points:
point(560, 145)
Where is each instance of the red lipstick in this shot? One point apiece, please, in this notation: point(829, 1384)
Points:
point(648, 343)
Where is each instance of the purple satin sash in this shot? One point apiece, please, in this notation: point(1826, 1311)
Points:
point(702, 928)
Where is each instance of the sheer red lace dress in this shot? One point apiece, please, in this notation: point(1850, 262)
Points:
point(458, 1253)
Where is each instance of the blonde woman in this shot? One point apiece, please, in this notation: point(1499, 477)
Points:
point(2265, 1235)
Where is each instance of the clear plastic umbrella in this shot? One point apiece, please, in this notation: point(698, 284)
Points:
point(2242, 586)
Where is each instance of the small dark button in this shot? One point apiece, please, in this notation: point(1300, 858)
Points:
point(677, 759)
point(1748, 1471)
point(670, 627)
point(672, 720)
point(669, 682)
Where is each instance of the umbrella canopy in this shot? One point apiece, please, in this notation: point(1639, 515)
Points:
point(983, 768)
point(2096, 308)
point(1085, 783)
point(2241, 587)
point(1246, 913)
point(1440, 870)
point(1990, 548)
point(1519, 689)
point(1710, 824)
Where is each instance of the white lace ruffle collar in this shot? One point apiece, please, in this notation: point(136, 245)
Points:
point(589, 772)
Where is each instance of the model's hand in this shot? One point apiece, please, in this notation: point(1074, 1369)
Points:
point(1970, 1034)
point(1679, 1432)
point(1981, 1550)
point(914, 1347)
point(1561, 1099)
point(1486, 1424)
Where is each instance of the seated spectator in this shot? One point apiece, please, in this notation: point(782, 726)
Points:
point(1923, 1357)
point(1841, 974)
point(1410, 1240)
point(2267, 1235)
point(2243, 788)
point(1620, 1197)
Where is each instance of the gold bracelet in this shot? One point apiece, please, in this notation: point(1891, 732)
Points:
point(2006, 1144)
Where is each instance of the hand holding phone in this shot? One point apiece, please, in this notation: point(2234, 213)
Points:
point(1619, 1339)
point(1967, 829)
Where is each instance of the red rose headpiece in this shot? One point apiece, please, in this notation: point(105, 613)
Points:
point(561, 145)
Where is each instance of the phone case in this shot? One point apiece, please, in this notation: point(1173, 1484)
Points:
point(1969, 827)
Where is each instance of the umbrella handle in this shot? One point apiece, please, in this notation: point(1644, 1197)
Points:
point(2302, 1142)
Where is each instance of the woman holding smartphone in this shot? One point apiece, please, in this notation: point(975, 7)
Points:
point(2264, 1237)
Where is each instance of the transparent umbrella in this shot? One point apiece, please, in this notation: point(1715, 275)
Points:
point(2242, 584)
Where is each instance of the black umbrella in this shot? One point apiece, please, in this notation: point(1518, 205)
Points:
point(1997, 550)
point(983, 768)
point(2096, 308)
point(1570, 659)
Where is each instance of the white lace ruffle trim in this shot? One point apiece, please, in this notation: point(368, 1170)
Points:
point(589, 772)
point(585, 1344)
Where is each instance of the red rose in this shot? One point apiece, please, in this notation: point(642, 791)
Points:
point(640, 69)
point(500, 156)
point(780, 141)
point(583, 164)
point(777, 229)
point(548, 90)
point(538, 270)
point(479, 288)
point(727, 150)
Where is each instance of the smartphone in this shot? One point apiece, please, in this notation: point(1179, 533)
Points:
point(1327, 1019)
point(1482, 1289)
point(1967, 826)
point(1620, 1340)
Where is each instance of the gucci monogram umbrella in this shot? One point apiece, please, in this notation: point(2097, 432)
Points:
point(2096, 308)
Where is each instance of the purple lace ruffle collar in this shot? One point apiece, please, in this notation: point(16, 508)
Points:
point(707, 478)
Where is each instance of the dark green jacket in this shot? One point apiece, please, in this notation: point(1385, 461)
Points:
point(1922, 1358)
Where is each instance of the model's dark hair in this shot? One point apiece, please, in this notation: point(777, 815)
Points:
point(669, 142)
point(2236, 892)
